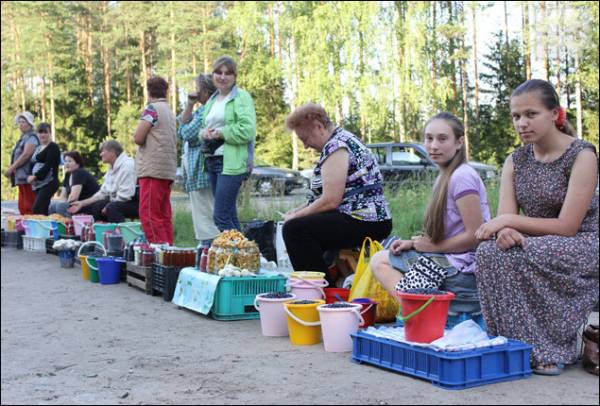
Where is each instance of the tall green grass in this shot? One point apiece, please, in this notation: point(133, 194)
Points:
point(407, 203)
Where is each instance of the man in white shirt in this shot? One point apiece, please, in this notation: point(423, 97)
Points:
point(118, 197)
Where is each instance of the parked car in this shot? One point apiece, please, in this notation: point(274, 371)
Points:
point(267, 180)
point(399, 161)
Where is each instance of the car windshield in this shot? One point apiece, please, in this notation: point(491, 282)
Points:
point(405, 156)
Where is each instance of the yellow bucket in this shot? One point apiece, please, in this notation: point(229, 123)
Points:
point(303, 322)
point(85, 270)
point(307, 275)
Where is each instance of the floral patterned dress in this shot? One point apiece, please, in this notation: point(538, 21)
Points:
point(544, 292)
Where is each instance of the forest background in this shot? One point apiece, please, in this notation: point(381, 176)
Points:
point(379, 68)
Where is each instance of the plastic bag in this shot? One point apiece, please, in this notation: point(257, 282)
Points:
point(263, 233)
point(365, 284)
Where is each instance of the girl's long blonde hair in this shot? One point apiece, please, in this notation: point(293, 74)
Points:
point(436, 209)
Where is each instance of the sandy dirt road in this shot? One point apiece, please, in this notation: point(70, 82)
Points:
point(68, 341)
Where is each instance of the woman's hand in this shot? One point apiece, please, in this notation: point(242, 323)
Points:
point(75, 207)
point(509, 237)
point(31, 179)
point(292, 214)
point(401, 245)
point(9, 172)
point(487, 230)
point(211, 134)
point(193, 98)
point(423, 244)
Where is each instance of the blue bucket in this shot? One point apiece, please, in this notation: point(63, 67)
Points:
point(109, 270)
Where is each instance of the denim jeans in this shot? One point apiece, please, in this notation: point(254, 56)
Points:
point(226, 189)
point(463, 285)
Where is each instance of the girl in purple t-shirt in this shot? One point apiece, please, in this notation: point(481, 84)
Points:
point(457, 208)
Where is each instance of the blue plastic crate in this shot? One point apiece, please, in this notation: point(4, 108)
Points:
point(234, 297)
point(453, 320)
point(448, 370)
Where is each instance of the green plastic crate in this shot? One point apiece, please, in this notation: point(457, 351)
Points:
point(234, 298)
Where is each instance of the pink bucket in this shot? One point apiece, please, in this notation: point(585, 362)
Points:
point(81, 220)
point(307, 285)
point(337, 324)
point(273, 319)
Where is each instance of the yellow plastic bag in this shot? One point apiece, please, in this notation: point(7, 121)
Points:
point(365, 285)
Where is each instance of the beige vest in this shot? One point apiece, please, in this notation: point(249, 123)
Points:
point(157, 158)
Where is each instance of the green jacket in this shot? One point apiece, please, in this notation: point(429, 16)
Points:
point(239, 131)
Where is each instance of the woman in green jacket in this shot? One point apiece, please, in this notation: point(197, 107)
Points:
point(228, 141)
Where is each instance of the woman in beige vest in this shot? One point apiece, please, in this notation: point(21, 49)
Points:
point(156, 163)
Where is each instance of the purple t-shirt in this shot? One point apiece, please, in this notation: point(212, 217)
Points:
point(464, 181)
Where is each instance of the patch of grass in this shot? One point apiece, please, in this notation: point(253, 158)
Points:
point(407, 203)
point(183, 227)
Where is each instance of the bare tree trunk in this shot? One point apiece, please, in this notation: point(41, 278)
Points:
point(144, 68)
point(173, 76)
point(578, 105)
point(567, 67)
point(526, 39)
point(205, 37)
point(44, 98)
point(271, 32)
point(20, 89)
point(127, 69)
point(88, 55)
point(295, 78)
point(545, 58)
point(559, 29)
point(105, 53)
point(475, 70)
point(505, 23)
point(451, 49)
point(51, 77)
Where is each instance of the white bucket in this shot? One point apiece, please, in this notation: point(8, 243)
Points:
point(337, 324)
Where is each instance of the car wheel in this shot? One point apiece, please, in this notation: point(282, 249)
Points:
point(264, 187)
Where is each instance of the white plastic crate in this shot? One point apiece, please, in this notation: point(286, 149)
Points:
point(35, 244)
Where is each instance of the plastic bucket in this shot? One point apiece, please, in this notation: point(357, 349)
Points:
point(37, 228)
point(131, 231)
point(337, 324)
point(101, 228)
point(308, 285)
point(330, 294)
point(273, 319)
point(303, 322)
point(80, 220)
point(113, 242)
point(66, 258)
point(93, 268)
point(368, 312)
point(109, 270)
point(424, 316)
point(85, 270)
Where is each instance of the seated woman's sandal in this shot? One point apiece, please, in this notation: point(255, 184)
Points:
point(424, 273)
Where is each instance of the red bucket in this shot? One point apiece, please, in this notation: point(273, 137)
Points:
point(368, 311)
point(331, 292)
point(424, 316)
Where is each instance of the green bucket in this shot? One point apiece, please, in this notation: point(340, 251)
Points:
point(130, 231)
point(101, 228)
point(93, 267)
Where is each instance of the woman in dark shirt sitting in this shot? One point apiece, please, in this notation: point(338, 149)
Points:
point(78, 185)
point(44, 175)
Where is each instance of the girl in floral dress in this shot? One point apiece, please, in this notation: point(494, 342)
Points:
point(538, 272)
